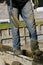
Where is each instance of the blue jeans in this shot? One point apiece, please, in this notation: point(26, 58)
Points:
point(28, 16)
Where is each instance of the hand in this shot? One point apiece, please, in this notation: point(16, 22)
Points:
point(35, 3)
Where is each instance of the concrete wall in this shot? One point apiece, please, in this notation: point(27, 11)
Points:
point(6, 35)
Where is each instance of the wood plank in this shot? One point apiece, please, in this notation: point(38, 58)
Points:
point(8, 58)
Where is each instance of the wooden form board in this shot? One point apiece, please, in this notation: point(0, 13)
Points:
point(9, 58)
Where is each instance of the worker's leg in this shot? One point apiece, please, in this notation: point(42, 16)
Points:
point(15, 31)
point(27, 14)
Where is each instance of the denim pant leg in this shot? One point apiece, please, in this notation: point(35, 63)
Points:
point(15, 31)
point(27, 14)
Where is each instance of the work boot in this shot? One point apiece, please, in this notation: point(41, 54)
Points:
point(17, 52)
point(37, 54)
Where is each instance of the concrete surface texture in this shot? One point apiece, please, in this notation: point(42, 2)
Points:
point(2, 61)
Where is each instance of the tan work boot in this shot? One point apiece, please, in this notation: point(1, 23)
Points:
point(17, 52)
